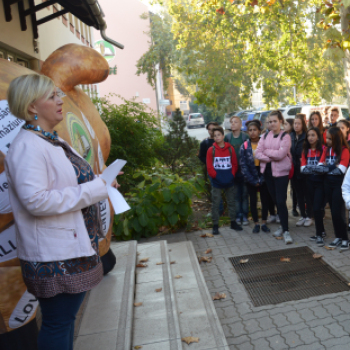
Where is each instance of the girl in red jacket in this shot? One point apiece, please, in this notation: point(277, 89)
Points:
point(275, 163)
point(310, 157)
point(334, 163)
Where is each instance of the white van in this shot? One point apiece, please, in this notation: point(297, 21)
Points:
point(195, 120)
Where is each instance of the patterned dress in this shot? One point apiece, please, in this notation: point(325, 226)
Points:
point(47, 279)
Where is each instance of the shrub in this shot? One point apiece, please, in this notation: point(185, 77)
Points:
point(179, 150)
point(159, 200)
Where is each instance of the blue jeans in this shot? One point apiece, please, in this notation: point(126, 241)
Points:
point(241, 199)
point(58, 316)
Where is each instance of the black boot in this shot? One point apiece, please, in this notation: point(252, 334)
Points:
point(216, 230)
point(235, 226)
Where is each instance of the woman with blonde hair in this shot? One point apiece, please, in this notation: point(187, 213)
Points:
point(54, 195)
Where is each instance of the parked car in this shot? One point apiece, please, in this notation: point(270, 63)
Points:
point(227, 124)
point(256, 115)
point(195, 120)
point(290, 111)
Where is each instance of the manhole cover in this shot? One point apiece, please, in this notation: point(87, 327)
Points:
point(268, 280)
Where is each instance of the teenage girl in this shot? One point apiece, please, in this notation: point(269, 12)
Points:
point(315, 120)
point(334, 163)
point(289, 128)
point(312, 152)
point(299, 182)
point(254, 180)
point(344, 126)
point(275, 163)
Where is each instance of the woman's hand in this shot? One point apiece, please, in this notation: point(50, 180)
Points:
point(115, 182)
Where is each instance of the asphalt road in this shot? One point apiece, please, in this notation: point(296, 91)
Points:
point(199, 133)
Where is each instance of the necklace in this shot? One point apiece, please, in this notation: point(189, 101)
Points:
point(47, 134)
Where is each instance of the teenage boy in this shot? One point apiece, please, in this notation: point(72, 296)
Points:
point(334, 116)
point(207, 143)
point(236, 139)
point(222, 167)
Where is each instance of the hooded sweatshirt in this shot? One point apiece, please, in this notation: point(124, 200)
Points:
point(223, 167)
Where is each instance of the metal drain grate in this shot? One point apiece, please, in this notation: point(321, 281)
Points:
point(270, 281)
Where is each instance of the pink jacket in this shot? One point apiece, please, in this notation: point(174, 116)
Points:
point(273, 149)
point(46, 200)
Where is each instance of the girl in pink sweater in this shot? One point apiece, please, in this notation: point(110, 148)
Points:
point(275, 163)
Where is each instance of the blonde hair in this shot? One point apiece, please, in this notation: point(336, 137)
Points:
point(25, 90)
point(235, 117)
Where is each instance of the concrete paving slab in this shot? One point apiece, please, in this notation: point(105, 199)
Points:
point(197, 313)
point(109, 312)
point(156, 320)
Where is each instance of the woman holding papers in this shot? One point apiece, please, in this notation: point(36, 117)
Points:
point(54, 196)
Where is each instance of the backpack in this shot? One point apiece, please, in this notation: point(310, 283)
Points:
point(291, 171)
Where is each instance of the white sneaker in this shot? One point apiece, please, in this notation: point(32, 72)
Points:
point(308, 222)
point(287, 238)
point(245, 222)
point(278, 219)
point(301, 222)
point(278, 233)
point(271, 218)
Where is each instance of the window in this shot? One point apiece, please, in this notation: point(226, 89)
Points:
point(10, 58)
point(344, 111)
point(257, 116)
point(22, 62)
point(294, 111)
point(2, 54)
point(71, 23)
point(244, 116)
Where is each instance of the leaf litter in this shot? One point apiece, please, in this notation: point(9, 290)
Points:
point(209, 235)
point(317, 256)
point(144, 260)
point(190, 340)
point(285, 259)
point(243, 261)
point(206, 259)
point(178, 276)
point(137, 304)
point(219, 296)
point(208, 251)
point(159, 290)
point(141, 265)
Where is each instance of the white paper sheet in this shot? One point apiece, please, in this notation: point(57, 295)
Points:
point(109, 175)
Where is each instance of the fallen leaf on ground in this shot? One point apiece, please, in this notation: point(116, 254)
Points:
point(159, 290)
point(279, 237)
point(317, 256)
point(178, 276)
point(160, 263)
point(138, 253)
point(207, 259)
point(144, 260)
point(190, 340)
point(243, 261)
point(137, 304)
point(207, 235)
point(208, 251)
point(285, 259)
point(138, 347)
point(141, 265)
point(172, 262)
point(219, 296)
point(329, 248)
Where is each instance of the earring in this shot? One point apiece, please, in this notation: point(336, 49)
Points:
point(35, 117)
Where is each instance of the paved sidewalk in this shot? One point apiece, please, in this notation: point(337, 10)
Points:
point(316, 323)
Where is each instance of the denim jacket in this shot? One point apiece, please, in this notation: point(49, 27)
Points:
point(247, 164)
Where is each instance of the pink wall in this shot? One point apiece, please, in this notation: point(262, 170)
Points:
point(125, 26)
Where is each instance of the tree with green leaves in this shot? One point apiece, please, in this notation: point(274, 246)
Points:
point(179, 150)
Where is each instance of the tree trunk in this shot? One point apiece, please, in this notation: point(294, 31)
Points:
point(346, 60)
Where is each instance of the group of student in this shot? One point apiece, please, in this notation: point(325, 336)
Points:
point(313, 158)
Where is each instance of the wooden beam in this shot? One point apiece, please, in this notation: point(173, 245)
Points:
point(49, 18)
point(39, 7)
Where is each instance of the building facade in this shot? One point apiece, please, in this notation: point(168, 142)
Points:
point(126, 25)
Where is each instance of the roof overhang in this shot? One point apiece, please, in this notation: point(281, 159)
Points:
point(88, 11)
